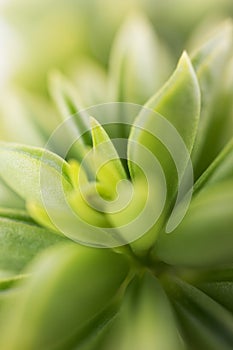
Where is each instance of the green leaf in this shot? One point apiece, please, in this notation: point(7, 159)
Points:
point(109, 169)
point(9, 289)
point(205, 236)
point(68, 103)
point(209, 63)
point(220, 291)
point(21, 240)
point(220, 170)
point(97, 340)
point(46, 182)
point(135, 72)
point(40, 215)
point(92, 335)
point(75, 120)
point(77, 174)
point(15, 214)
point(64, 94)
point(33, 172)
point(205, 323)
point(18, 122)
point(58, 299)
point(218, 284)
point(169, 136)
point(9, 282)
point(179, 101)
point(135, 211)
point(7, 296)
point(83, 201)
point(21, 167)
point(145, 320)
point(90, 80)
point(8, 198)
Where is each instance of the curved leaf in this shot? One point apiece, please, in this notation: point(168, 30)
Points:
point(169, 136)
point(145, 320)
point(21, 240)
point(9, 198)
point(205, 323)
point(209, 63)
point(220, 291)
point(69, 105)
point(34, 173)
point(220, 170)
point(205, 236)
point(90, 80)
point(45, 181)
point(16, 214)
point(58, 299)
point(135, 72)
point(109, 169)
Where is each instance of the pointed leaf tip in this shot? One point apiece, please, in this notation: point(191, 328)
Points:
point(106, 153)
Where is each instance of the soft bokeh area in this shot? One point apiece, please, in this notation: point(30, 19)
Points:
point(89, 41)
point(36, 37)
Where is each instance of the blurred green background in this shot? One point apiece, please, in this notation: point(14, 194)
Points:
point(36, 37)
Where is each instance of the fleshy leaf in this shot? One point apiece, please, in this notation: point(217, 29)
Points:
point(205, 236)
point(218, 284)
point(21, 240)
point(81, 202)
point(135, 212)
point(108, 165)
point(169, 136)
point(209, 63)
point(40, 215)
point(64, 94)
point(145, 320)
point(98, 338)
point(16, 214)
point(135, 72)
point(8, 198)
point(40, 177)
point(220, 291)
point(8, 288)
point(205, 323)
point(41, 320)
point(26, 169)
point(75, 120)
point(179, 101)
point(8, 283)
point(90, 80)
point(220, 170)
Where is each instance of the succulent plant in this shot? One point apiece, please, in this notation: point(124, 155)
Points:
point(118, 234)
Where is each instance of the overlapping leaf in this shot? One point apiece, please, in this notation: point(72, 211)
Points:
point(209, 63)
point(205, 323)
point(179, 103)
point(145, 320)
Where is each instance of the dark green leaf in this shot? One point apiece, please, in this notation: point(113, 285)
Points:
point(205, 323)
